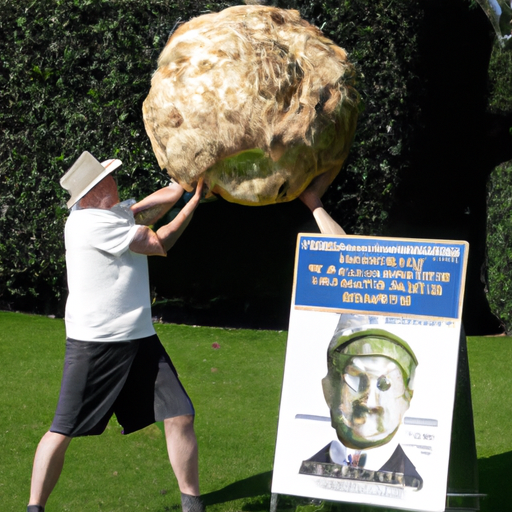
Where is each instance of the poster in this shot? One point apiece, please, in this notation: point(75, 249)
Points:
point(371, 362)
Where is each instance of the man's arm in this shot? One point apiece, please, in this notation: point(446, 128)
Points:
point(147, 241)
point(156, 205)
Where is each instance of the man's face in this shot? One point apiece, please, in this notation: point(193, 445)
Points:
point(103, 196)
point(368, 399)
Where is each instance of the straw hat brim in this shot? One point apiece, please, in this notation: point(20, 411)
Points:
point(85, 174)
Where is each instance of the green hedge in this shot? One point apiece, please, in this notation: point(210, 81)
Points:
point(499, 221)
point(499, 244)
point(74, 74)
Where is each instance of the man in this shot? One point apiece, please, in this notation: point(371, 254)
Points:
point(368, 388)
point(114, 362)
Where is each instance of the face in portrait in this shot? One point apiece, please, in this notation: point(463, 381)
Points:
point(368, 386)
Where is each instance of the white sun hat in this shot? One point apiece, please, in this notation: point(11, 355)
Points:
point(84, 174)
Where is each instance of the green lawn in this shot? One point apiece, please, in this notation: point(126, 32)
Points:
point(235, 389)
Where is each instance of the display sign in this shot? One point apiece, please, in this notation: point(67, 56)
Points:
point(369, 381)
point(421, 278)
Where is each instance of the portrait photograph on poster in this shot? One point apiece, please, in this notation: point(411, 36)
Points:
point(371, 362)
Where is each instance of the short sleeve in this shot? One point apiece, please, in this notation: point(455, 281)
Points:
point(110, 231)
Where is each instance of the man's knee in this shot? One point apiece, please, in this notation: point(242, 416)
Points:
point(58, 441)
point(184, 422)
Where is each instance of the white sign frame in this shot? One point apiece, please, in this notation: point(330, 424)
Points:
point(424, 432)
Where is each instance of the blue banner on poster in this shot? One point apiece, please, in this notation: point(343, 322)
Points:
point(384, 275)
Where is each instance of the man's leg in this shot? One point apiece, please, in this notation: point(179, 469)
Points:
point(182, 449)
point(48, 463)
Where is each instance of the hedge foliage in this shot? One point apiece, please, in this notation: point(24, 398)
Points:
point(499, 203)
point(500, 70)
point(499, 236)
point(74, 74)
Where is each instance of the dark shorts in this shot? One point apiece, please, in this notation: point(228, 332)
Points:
point(134, 380)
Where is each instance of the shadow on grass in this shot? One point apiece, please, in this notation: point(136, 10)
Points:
point(256, 485)
point(494, 480)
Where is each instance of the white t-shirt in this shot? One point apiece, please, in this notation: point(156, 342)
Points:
point(108, 284)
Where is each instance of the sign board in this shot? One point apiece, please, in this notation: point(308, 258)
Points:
point(371, 361)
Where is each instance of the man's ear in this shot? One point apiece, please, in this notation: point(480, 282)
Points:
point(328, 390)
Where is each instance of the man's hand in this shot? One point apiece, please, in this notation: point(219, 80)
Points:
point(311, 198)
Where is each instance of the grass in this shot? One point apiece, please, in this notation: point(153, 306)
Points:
point(489, 361)
point(235, 389)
